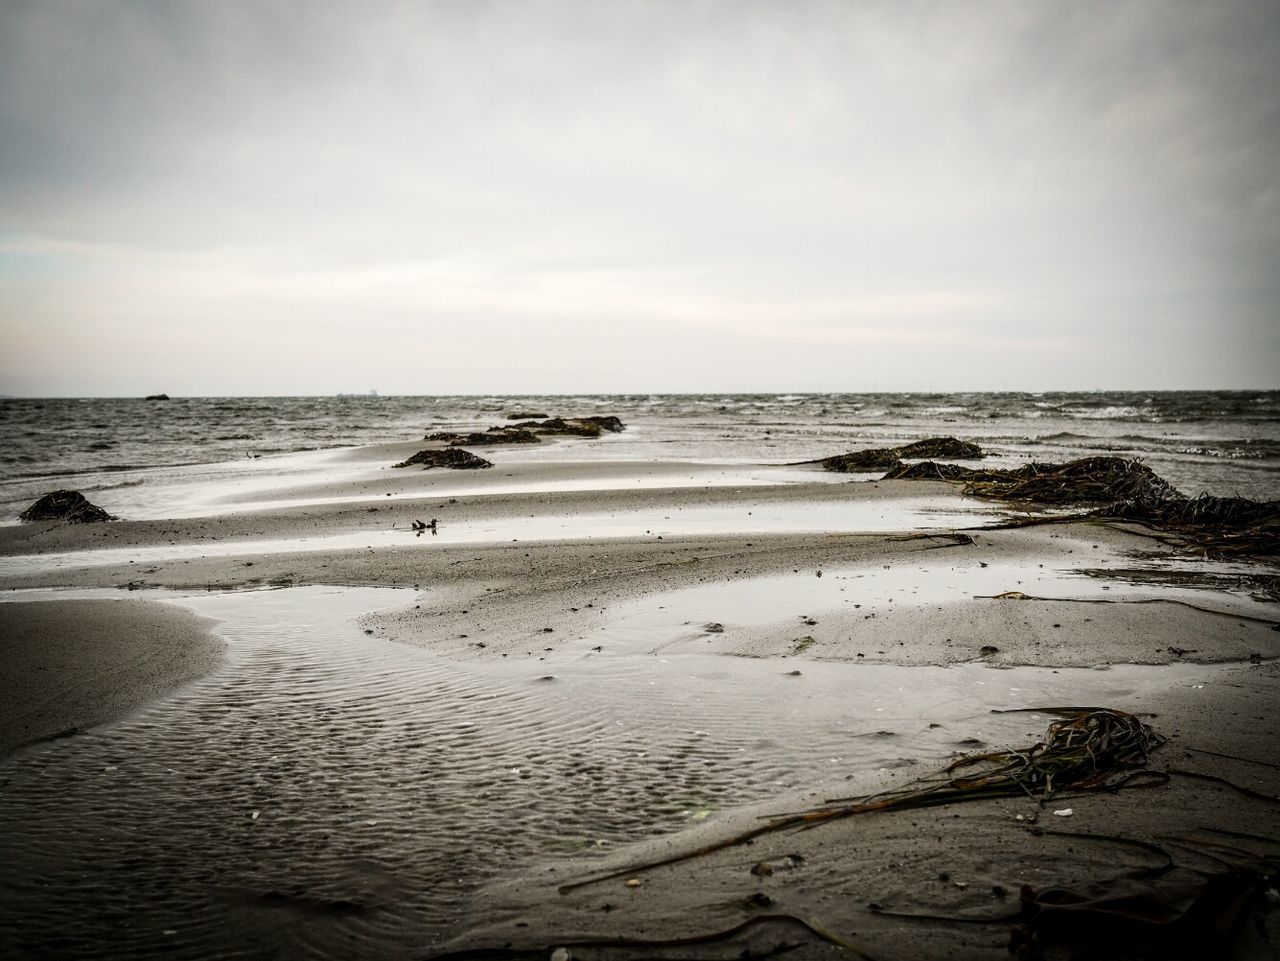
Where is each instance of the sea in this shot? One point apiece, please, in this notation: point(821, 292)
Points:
point(1221, 442)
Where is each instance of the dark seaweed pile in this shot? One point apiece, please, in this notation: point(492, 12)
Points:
point(452, 457)
point(1127, 490)
point(69, 506)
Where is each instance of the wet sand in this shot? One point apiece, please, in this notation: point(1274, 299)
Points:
point(71, 664)
point(419, 767)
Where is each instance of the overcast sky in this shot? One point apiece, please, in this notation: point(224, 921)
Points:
point(281, 198)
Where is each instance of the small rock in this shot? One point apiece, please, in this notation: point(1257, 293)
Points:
point(712, 628)
point(764, 869)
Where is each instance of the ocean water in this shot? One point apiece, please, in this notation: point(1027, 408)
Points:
point(1223, 442)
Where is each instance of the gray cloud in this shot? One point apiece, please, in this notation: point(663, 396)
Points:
point(648, 196)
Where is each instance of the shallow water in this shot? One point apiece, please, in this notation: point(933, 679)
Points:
point(326, 794)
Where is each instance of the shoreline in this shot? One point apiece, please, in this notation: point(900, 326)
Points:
point(560, 624)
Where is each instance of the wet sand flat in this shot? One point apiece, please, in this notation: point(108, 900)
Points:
point(69, 665)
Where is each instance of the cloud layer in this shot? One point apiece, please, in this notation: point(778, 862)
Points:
point(447, 197)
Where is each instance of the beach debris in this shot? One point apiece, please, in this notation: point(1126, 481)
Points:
point(1011, 596)
point(453, 458)
point(950, 538)
point(609, 422)
point(890, 458)
point(71, 507)
point(561, 954)
point(986, 650)
point(789, 862)
point(420, 527)
point(1064, 812)
point(1218, 526)
point(941, 447)
point(496, 435)
point(802, 644)
point(633, 882)
point(1171, 914)
point(558, 425)
point(1083, 751)
point(928, 470)
point(713, 627)
point(1126, 490)
point(860, 461)
point(1089, 480)
point(527, 431)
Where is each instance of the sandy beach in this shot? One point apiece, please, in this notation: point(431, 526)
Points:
point(290, 725)
point(634, 481)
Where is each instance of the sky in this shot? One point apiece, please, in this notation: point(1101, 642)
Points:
point(554, 197)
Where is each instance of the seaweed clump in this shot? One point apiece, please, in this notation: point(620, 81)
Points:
point(69, 506)
point(452, 457)
point(529, 431)
point(941, 447)
point(497, 435)
point(1220, 526)
point(890, 458)
point(1090, 480)
point(1124, 490)
point(873, 459)
point(558, 425)
point(931, 470)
